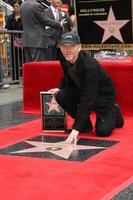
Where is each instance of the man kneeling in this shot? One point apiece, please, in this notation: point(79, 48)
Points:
point(86, 87)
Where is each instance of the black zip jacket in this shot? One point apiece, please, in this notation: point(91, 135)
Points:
point(96, 87)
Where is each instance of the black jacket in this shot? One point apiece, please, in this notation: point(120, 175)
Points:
point(96, 87)
point(13, 24)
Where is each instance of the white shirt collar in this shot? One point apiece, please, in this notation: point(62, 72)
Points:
point(54, 11)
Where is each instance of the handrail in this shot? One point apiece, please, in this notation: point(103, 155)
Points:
point(11, 54)
point(4, 31)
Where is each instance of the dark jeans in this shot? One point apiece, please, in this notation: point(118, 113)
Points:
point(16, 63)
point(1, 76)
point(51, 53)
point(69, 98)
point(34, 54)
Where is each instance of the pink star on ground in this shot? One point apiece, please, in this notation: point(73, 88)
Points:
point(112, 26)
point(59, 148)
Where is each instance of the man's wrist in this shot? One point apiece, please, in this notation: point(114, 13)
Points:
point(75, 132)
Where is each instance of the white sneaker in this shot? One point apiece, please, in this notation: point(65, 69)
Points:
point(5, 86)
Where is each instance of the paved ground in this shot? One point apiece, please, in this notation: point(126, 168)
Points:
point(11, 104)
point(11, 101)
point(12, 94)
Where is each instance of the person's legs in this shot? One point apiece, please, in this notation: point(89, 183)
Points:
point(27, 54)
point(1, 75)
point(38, 54)
point(34, 54)
point(106, 122)
point(15, 67)
point(68, 99)
point(1, 71)
point(51, 53)
point(2, 84)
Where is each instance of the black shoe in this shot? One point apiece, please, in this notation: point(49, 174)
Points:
point(87, 129)
point(119, 120)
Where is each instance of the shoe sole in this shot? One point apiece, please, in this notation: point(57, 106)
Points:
point(119, 118)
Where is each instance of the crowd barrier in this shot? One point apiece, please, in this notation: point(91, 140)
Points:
point(11, 55)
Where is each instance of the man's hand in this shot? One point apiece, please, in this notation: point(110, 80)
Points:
point(6, 36)
point(54, 90)
point(63, 22)
point(72, 138)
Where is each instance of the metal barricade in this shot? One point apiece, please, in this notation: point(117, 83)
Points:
point(11, 55)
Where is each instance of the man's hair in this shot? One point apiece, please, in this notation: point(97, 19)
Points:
point(17, 1)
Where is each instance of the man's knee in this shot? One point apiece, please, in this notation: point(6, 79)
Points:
point(60, 98)
point(103, 131)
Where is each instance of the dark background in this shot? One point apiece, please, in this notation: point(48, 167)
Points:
point(91, 33)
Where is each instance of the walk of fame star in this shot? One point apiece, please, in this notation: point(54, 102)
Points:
point(112, 26)
point(53, 105)
point(54, 147)
point(59, 148)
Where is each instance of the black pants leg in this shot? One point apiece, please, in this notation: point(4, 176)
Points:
point(105, 124)
point(68, 99)
point(34, 54)
point(51, 53)
point(107, 121)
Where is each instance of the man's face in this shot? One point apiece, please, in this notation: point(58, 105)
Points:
point(70, 51)
point(16, 7)
point(56, 3)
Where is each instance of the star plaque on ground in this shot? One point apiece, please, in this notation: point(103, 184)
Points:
point(53, 116)
point(54, 147)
